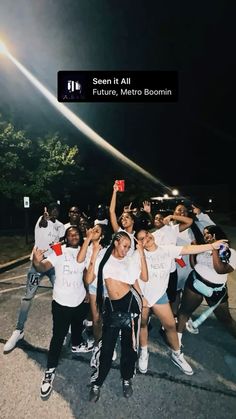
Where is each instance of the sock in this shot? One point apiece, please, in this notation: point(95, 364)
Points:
point(180, 338)
point(144, 349)
point(176, 352)
point(51, 369)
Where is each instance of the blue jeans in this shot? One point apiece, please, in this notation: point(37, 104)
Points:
point(33, 280)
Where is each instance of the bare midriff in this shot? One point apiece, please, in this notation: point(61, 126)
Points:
point(116, 289)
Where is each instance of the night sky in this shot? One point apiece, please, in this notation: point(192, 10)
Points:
point(188, 142)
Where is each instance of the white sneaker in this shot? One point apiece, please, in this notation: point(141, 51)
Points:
point(12, 341)
point(114, 356)
point(190, 328)
point(180, 361)
point(46, 385)
point(87, 323)
point(143, 361)
point(84, 347)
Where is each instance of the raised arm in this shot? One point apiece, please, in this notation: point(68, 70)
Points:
point(147, 209)
point(44, 219)
point(194, 249)
point(184, 222)
point(90, 274)
point(203, 218)
point(41, 264)
point(112, 209)
point(83, 250)
point(144, 269)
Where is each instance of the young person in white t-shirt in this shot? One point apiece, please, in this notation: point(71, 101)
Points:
point(48, 230)
point(68, 307)
point(166, 233)
point(119, 272)
point(189, 235)
point(210, 270)
point(159, 260)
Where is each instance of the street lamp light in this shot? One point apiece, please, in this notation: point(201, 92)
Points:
point(175, 192)
point(210, 204)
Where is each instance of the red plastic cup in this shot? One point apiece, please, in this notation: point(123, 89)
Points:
point(121, 185)
point(57, 248)
point(180, 262)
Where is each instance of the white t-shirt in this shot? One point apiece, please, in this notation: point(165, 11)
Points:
point(185, 237)
point(159, 265)
point(205, 268)
point(69, 287)
point(203, 220)
point(167, 235)
point(125, 270)
point(44, 236)
point(67, 225)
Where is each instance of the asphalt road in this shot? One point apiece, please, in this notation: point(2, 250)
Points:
point(164, 392)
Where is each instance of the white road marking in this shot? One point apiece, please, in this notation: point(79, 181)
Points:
point(13, 277)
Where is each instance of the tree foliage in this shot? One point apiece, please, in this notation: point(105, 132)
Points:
point(39, 168)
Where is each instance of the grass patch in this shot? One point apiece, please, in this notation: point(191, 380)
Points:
point(14, 247)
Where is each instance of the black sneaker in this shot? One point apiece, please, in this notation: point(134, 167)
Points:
point(46, 386)
point(94, 393)
point(127, 388)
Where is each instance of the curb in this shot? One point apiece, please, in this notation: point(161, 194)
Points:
point(10, 265)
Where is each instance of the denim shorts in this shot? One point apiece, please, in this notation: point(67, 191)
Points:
point(93, 290)
point(163, 300)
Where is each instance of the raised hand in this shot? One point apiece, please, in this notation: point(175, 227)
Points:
point(140, 245)
point(216, 245)
point(46, 214)
point(115, 187)
point(89, 233)
point(147, 206)
point(38, 255)
point(167, 219)
point(196, 210)
point(127, 208)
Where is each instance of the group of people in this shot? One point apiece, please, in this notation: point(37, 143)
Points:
point(120, 280)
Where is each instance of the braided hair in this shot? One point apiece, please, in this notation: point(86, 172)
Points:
point(198, 236)
point(99, 298)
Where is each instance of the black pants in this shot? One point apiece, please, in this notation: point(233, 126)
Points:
point(172, 286)
point(129, 340)
point(63, 317)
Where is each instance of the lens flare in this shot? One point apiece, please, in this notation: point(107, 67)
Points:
point(83, 127)
point(3, 48)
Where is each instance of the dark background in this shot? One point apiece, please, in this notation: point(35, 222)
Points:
point(188, 144)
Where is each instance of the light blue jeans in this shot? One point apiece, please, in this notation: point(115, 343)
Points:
point(33, 280)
